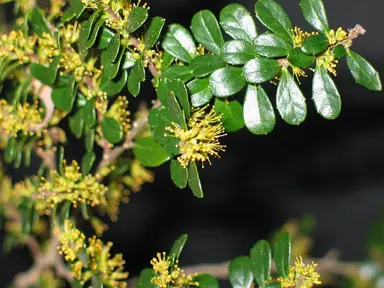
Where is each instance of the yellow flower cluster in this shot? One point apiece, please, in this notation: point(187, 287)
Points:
point(301, 275)
point(119, 112)
point(19, 118)
point(16, 45)
point(138, 176)
point(56, 8)
point(299, 36)
point(328, 61)
point(48, 45)
point(338, 36)
point(161, 265)
point(71, 186)
point(71, 241)
point(200, 140)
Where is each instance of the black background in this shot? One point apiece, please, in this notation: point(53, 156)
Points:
point(331, 169)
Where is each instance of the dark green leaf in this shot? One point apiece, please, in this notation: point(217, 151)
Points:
point(90, 113)
point(112, 130)
point(38, 22)
point(206, 281)
point(290, 100)
point(271, 46)
point(273, 16)
point(314, 13)
point(363, 72)
point(75, 10)
point(76, 123)
point(136, 19)
point(95, 31)
point(315, 44)
point(238, 23)
point(259, 116)
point(28, 152)
point(282, 254)
point(89, 139)
point(61, 160)
point(299, 59)
point(232, 114)
point(166, 60)
point(9, 151)
point(184, 73)
point(179, 174)
point(200, 92)
point(87, 162)
point(180, 91)
point(105, 37)
point(113, 87)
point(112, 50)
point(85, 32)
point(206, 31)
point(226, 81)
point(238, 52)
point(194, 180)
point(19, 153)
point(136, 76)
point(260, 70)
point(205, 64)
point(325, 95)
point(128, 61)
point(274, 285)
point(65, 211)
point(150, 153)
point(179, 43)
point(46, 75)
point(144, 281)
point(153, 32)
point(339, 51)
point(261, 261)
point(177, 248)
point(240, 272)
point(63, 93)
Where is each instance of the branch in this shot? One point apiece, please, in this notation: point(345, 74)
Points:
point(44, 92)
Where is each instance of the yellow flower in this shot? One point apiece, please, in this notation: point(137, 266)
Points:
point(299, 36)
point(337, 36)
point(328, 61)
point(301, 275)
point(119, 112)
point(17, 46)
point(201, 139)
point(71, 241)
point(297, 72)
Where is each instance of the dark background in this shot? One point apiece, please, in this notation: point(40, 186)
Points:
point(333, 170)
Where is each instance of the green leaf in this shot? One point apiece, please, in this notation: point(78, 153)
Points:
point(114, 86)
point(325, 95)
point(112, 130)
point(63, 93)
point(38, 22)
point(315, 44)
point(271, 46)
point(105, 37)
point(179, 43)
point(76, 123)
point(136, 19)
point(95, 31)
point(232, 114)
point(150, 153)
point(206, 31)
point(290, 100)
point(96, 282)
point(184, 73)
point(200, 92)
point(136, 76)
point(112, 50)
point(206, 281)
point(9, 151)
point(282, 254)
point(177, 248)
point(238, 52)
point(46, 75)
point(227, 81)
point(238, 23)
point(205, 64)
point(167, 59)
point(85, 32)
point(261, 262)
point(260, 70)
point(144, 281)
point(273, 16)
point(339, 51)
point(180, 91)
point(179, 174)
point(194, 180)
point(274, 285)
point(75, 9)
point(259, 116)
point(65, 212)
point(87, 162)
point(61, 160)
point(153, 32)
point(89, 139)
point(240, 272)
point(314, 13)
point(90, 113)
point(363, 72)
point(299, 59)
point(19, 153)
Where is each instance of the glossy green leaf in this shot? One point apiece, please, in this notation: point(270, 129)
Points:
point(105, 37)
point(114, 86)
point(282, 254)
point(75, 9)
point(205, 64)
point(87, 162)
point(240, 272)
point(128, 61)
point(260, 70)
point(290, 100)
point(89, 138)
point(150, 153)
point(76, 123)
point(232, 114)
point(206, 31)
point(339, 51)
point(184, 73)
point(153, 32)
point(238, 23)
point(261, 262)
point(179, 43)
point(227, 81)
point(200, 92)
point(177, 248)
point(166, 60)
point(271, 46)
point(90, 113)
point(63, 94)
point(206, 281)
point(136, 19)
point(273, 16)
point(325, 95)
point(237, 52)
point(363, 72)
point(85, 32)
point(46, 75)
point(10, 149)
point(194, 180)
point(112, 130)
point(144, 281)
point(299, 59)
point(259, 116)
point(112, 50)
point(95, 31)
point(314, 13)
point(136, 76)
point(315, 44)
point(38, 22)
point(179, 174)
point(111, 69)
point(274, 285)
point(180, 91)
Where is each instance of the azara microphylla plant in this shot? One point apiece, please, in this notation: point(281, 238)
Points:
point(78, 65)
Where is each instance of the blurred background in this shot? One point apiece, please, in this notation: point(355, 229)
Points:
point(333, 171)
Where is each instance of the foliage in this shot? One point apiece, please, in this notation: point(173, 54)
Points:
point(66, 67)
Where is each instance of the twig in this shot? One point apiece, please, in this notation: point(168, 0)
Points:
point(44, 92)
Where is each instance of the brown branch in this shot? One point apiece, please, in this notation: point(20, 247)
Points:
point(44, 92)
